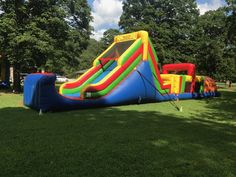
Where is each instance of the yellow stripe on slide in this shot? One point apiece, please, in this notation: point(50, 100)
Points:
point(144, 36)
point(106, 77)
point(119, 61)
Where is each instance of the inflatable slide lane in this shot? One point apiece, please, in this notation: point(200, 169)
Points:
point(125, 73)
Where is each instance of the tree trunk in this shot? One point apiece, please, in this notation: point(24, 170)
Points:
point(16, 79)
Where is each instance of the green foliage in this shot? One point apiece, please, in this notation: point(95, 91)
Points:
point(108, 37)
point(212, 33)
point(93, 50)
point(54, 34)
point(231, 23)
point(231, 9)
point(44, 34)
point(169, 23)
point(179, 34)
point(215, 55)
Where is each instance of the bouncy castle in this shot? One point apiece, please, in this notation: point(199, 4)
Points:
point(126, 72)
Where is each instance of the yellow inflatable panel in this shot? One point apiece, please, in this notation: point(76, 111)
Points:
point(166, 82)
point(188, 78)
point(134, 36)
point(126, 37)
point(198, 78)
point(172, 79)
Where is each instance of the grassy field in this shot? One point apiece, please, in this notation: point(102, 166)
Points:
point(148, 140)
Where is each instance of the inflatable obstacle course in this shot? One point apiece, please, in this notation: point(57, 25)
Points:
point(125, 73)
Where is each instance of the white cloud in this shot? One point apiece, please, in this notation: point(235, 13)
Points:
point(98, 34)
point(106, 14)
point(210, 5)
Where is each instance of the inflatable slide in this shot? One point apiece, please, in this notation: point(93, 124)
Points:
point(125, 73)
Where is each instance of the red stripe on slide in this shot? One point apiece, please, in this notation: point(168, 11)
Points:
point(117, 73)
point(157, 69)
point(85, 77)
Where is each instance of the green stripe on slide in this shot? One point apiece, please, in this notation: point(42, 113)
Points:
point(157, 59)
point(134, 47)
point(153, 50)
point(157, 83)
point(116, 82)
point(91, 79)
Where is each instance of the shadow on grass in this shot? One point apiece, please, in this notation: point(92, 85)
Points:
point(114, 142)
point(222, 109)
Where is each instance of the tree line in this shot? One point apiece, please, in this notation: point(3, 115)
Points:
point(181, 34)
point(48, 34)
point(54, 35)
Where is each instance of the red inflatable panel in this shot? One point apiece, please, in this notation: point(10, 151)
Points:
point(189, 67)
point(157, 70)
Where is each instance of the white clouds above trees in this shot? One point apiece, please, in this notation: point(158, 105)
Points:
point(210, 5)
point(106, 13)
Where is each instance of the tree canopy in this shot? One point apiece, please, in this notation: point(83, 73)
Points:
point(95, 48)
point(54, 35)
point(46, 34)
point(108, 36)
point(169, 23)
point(181, 34)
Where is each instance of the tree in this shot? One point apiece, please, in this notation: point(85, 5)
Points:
point(49, 34)
point(13, 14)
point(171, 25)
point(231, 37)
point(213, 54)
point(67, 23)
point(181, 35)
point(108, 36)
point(93, 50)
point(231, 20)
point(79, 16)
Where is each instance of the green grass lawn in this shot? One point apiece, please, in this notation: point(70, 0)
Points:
point(148, 140)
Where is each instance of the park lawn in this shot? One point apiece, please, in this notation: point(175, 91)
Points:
point(144, 140)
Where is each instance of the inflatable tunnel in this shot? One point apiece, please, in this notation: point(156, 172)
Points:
point(125, 73)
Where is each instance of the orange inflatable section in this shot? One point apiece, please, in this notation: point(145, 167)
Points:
point(209, 85)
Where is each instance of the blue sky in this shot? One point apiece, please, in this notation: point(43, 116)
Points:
point(106, 13)
point(90, 2)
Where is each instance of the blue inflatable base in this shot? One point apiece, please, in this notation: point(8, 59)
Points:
point(40, 92)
